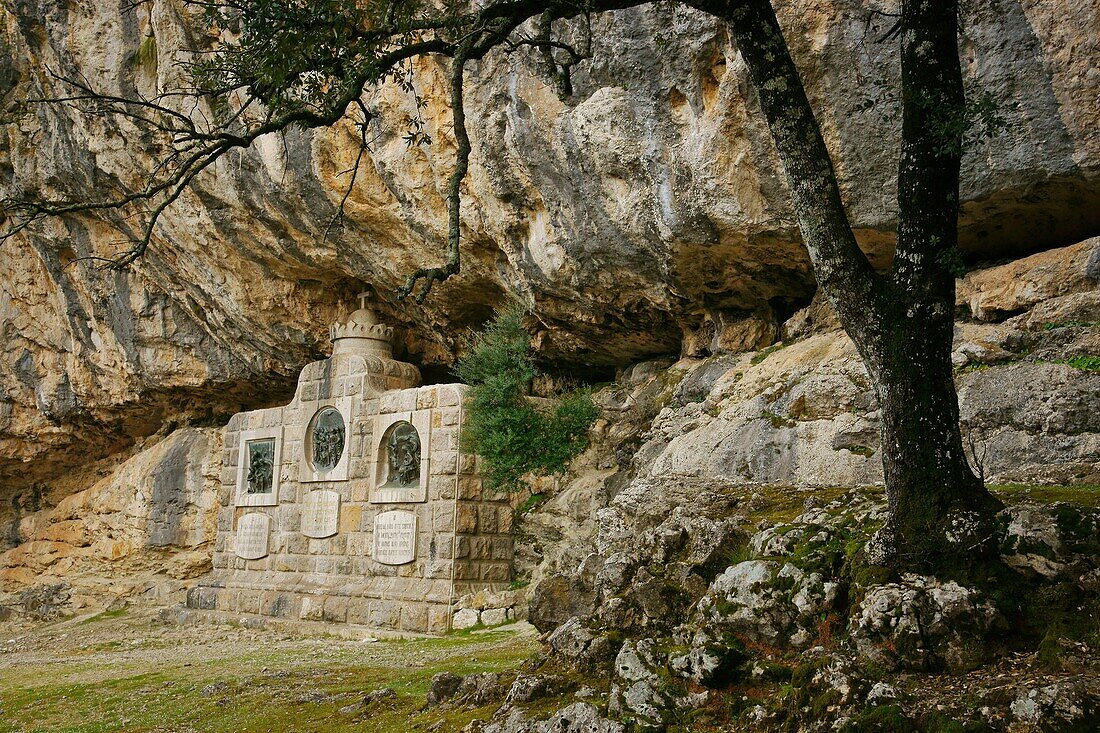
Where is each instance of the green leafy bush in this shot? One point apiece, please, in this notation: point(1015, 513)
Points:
point(513, 435)
point(1087, 363)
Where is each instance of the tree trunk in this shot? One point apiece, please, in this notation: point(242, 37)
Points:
point(940, 512)
point(902, 322)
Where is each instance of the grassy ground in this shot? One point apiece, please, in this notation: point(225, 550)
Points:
point(128, 672)
point(1082, 496)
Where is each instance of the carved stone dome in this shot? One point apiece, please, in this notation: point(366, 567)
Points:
point(362, 333)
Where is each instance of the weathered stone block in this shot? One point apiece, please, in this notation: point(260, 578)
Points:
point(447, 395)
point(358, 612)
point(437, 569)
point(338, 544)
point(466, 571)
point(336, 610)
point(445, 439)
point(278, 605)
point(385, 614)
point(481, 548)
point(297, 544)
point(506, 517)
point(466, 519)
point(414, 617)
point(350, 518)
point(425, 398)
point(202, 598)
point(487, 519)
point(248, 601)
point(441, 487)
point(494, 616)
point(469, 488)
point(438, 620)
point(443, 520)
point(465, 618)
point(502, 548)
point(496, 572)
point(444, 463)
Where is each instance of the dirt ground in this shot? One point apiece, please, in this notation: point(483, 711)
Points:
point(130, 671)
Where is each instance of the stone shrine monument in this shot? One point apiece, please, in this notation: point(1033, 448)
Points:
point(354, 504)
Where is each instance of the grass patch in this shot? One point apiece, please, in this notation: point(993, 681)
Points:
point(1070, 324)
point(146, 55)
point(778, 421)
point(780, 504)
point(529, 504)
point(1084, 495)
point(1086, 363)
point(860, 450)
point(764, 354)
point(302, 687)
point(106, 616)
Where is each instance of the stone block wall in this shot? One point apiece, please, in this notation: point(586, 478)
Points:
point(461, 541)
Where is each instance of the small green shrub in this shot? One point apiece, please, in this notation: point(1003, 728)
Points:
point(1070, 324)
point(880, 719)
point(513, 436)
point(764, 354)
point(1087, 363)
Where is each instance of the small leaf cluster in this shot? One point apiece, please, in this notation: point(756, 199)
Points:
point(514, 436)
point(303, 54)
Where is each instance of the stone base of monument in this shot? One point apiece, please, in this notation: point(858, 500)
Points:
point(409, 605)
point(355, 504)
point(355, 632)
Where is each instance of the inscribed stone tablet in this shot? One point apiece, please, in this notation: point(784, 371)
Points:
point(395, 537)
point(252, 532)
point(320, 514)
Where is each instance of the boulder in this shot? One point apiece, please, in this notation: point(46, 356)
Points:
point(1055, 542)
point(580, 717)
point(465, 618)
point(443, 687)
point(557, 599)
point(922, 623)
point(1066, 706)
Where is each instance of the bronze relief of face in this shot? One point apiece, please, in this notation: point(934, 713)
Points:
point(403, 459)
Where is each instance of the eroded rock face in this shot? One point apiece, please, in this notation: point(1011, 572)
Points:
point(646, 211)
point(681, 443)
point(802, 603)
point(154, 515)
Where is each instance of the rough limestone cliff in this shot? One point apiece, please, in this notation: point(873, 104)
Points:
point(645, 215)
point(686, 439)
point(802, 414)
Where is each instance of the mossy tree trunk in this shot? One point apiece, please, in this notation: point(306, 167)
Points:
point(901, 321)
